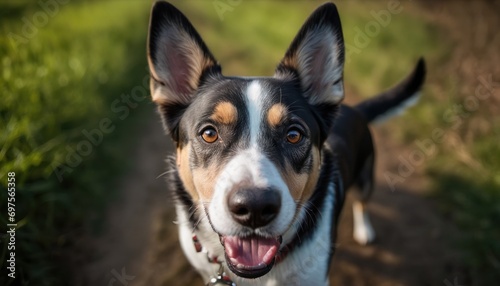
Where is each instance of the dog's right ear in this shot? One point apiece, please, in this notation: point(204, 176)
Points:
point(316, 57)
point(178, 61)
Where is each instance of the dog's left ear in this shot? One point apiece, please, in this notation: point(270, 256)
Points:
point(179, 61)
point(316, 57)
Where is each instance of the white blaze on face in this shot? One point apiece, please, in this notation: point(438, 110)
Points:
point(251, 169)
point(255, 100)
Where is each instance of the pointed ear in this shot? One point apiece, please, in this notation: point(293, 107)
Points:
point(316, 57)
point(178, 61)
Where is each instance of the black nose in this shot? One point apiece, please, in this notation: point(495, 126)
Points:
point(254, 207)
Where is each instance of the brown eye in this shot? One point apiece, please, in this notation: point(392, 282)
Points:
point(293, 136)
point(209, 135)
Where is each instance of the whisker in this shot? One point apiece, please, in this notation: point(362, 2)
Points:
point(165, 173)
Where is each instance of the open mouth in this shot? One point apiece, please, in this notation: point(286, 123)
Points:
point(250, 257)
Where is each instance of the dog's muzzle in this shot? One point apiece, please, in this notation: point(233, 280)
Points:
point(252, 256)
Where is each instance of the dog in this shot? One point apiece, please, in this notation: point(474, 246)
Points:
point(262, 163)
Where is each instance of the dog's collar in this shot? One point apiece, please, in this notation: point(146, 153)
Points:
point(221, 278)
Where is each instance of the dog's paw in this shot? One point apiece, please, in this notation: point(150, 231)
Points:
point(363, 230)
point(364, 233)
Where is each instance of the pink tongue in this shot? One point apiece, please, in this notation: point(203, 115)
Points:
point(250, 252)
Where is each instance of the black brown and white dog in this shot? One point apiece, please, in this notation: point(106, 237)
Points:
point(262, 163)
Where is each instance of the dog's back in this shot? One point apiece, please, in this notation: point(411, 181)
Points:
point(350, 137)
point(351, 142)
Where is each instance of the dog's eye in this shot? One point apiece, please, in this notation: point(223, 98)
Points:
point(209, 135)
point(293, 136)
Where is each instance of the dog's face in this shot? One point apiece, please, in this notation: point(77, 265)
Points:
point(248, 149)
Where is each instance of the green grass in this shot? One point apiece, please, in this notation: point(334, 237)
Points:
point(56, 83)
point(466, 181)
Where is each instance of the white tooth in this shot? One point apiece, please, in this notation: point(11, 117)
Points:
point(233, 261)
point(240, 266)
point(269, 255)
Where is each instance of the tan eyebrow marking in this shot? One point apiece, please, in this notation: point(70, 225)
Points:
point(225, 113)
point(276, 114)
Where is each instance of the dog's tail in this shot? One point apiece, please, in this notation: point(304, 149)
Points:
point(395, 100)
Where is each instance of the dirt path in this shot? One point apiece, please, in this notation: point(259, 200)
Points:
point(412, 247)
point(130, 229)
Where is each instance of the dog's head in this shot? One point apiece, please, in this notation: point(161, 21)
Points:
point(248, 149)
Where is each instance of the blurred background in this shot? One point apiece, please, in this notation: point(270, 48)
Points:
point(80, 132)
